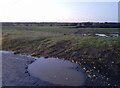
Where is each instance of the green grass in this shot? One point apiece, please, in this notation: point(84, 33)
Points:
point(58, 33)
point(100, 30)
point(60, 29)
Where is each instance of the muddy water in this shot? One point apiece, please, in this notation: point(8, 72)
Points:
point(57, 71)
point(107, 35)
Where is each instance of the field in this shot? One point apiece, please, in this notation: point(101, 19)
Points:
point(99, 53)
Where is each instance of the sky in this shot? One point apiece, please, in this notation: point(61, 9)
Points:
point(59, 10)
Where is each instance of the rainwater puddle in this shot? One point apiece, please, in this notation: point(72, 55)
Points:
point(57, 71)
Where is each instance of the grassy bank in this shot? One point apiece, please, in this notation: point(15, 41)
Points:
point(66, 42)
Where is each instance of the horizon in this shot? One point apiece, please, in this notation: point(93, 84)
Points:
point(59, 22)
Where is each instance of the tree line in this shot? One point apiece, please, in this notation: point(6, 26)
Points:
point(76, 25)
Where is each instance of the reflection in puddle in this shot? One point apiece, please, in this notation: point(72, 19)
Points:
point(57, 71)
point(102, 35)
point(107, 35)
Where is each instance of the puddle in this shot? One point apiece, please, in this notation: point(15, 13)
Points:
point(107, 35)
point(52, 70)
point(57, 71)
point(101, 35)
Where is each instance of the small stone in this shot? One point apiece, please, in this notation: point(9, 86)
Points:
point(76, 62)
point(84, 68)
point(113, 62)
point(87, 71)
point(89, 76)
point(94, 67)
point(73, 61)
point(100, 59)
point(94, 75)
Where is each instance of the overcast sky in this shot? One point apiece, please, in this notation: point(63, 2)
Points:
point(59, 10)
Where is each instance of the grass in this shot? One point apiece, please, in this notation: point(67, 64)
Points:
point(99, 30)
point(56, 34)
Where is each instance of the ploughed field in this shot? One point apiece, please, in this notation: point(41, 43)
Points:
point(96, 54)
